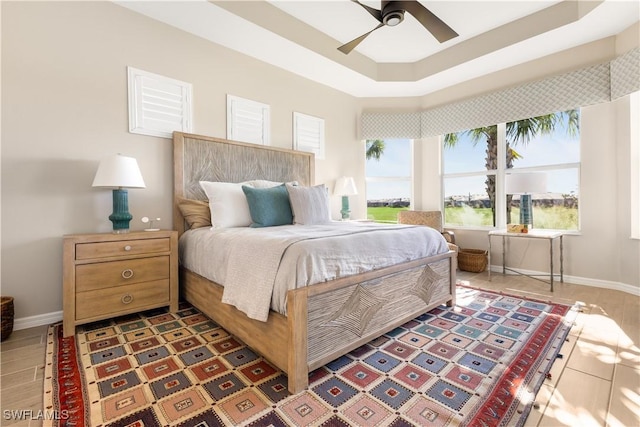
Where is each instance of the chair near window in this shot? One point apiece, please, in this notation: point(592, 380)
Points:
point(431, 219)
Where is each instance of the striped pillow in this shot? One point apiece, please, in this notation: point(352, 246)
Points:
point(309, 205)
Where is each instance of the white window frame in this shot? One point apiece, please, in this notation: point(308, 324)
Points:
point(308, 134)
point(500, 174)
point(158, 105)
point(248, 121)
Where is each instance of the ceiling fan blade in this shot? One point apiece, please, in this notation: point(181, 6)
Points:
point(431, 22)
point(348, 47)
point(374, 12)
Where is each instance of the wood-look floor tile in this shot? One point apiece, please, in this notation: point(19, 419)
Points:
point(593, 358)
point(12, 344)
point(541, 399)
point(624, 409)
point(27, 396)
point(23, 358)
point(579, 400)
point(10, 379)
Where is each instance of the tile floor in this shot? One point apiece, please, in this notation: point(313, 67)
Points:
point(596, 383)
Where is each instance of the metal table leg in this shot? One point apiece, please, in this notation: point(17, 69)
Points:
point(504, 256)
point(489, 257)
point(561, 260)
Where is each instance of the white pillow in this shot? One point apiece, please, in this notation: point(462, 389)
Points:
point(227, 203)
point(309, 205)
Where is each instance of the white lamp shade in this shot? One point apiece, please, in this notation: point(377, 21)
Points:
point(118, 171)
point(345, 186)
point(526, 183)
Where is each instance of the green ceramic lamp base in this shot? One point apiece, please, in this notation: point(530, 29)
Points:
point(120, 216)
point(346, 213)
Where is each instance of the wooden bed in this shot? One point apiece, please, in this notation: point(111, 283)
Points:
point(313, 332)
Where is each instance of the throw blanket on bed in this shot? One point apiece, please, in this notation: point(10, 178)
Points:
point(253, 263)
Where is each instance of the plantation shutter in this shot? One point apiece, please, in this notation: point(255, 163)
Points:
point(308, 134)
point(158, 105)
point(248, 121)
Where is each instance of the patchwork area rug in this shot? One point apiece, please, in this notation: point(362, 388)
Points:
point(478, 364)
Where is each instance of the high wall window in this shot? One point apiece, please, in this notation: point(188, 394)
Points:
point(388, 177)
point(476, 164)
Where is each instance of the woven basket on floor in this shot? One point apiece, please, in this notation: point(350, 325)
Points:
point(7, 317)
point(473, 260)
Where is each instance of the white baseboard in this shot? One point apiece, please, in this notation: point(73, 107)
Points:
point(576, 280)
point(39, 320)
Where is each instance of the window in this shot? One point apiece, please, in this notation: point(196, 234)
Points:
point(158, 105)
point(248, 121)
point(468, 176)
point(476, 162)
point(308, 134)
point(388, 178)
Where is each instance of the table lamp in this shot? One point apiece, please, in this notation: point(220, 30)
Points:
point(345, 186)
point(526, 184)
point(119, 172)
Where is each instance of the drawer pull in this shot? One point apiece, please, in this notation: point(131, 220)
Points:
point(127, 274)
point(127, 248)
point(127, 299)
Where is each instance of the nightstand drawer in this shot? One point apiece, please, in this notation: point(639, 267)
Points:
point(105, 275)
point(118, 273)
point(129, 298)
point(121, 248)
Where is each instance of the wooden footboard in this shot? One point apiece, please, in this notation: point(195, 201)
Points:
point(328, 320)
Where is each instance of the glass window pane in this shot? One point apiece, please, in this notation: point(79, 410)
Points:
point(557, 147)
point(557, 209)
point(467, 201)
point(395, 159)
point(388, 175)
point(468, 154)
point(386, 198)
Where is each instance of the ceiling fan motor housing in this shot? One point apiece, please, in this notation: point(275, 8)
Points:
point(392, 13)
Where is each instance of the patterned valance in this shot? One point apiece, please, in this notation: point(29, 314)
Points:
point(391, 125)
point(579, 88)
point(625, 74)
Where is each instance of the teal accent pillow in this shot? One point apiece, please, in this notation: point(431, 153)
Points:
point(268, 206)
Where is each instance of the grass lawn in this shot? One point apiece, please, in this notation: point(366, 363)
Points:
point(384, 214)
point(554, 218)
point(558, 218)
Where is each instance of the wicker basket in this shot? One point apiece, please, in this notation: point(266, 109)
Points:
point(473, 260)
point(7, 317)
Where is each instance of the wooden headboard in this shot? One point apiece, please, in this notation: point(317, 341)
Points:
point(201, 158)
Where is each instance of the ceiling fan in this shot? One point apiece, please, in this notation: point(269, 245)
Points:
point(392, 13)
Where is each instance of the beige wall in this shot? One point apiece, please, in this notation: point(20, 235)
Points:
point(64, 107)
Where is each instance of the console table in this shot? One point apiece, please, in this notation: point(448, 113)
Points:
point(549, 235)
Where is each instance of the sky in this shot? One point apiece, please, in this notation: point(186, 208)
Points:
point(467, 157)
point(395, 161)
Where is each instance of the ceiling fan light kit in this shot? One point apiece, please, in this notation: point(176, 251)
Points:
point(392, 14)
point(393, 18)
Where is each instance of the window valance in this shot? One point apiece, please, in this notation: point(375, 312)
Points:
point(579, 88)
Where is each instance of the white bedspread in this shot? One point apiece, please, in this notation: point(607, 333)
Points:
point(257, 266)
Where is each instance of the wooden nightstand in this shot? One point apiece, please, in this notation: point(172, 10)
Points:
point(108, 275)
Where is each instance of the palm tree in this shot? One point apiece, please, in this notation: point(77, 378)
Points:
point(375, 148)
point(520, 131)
